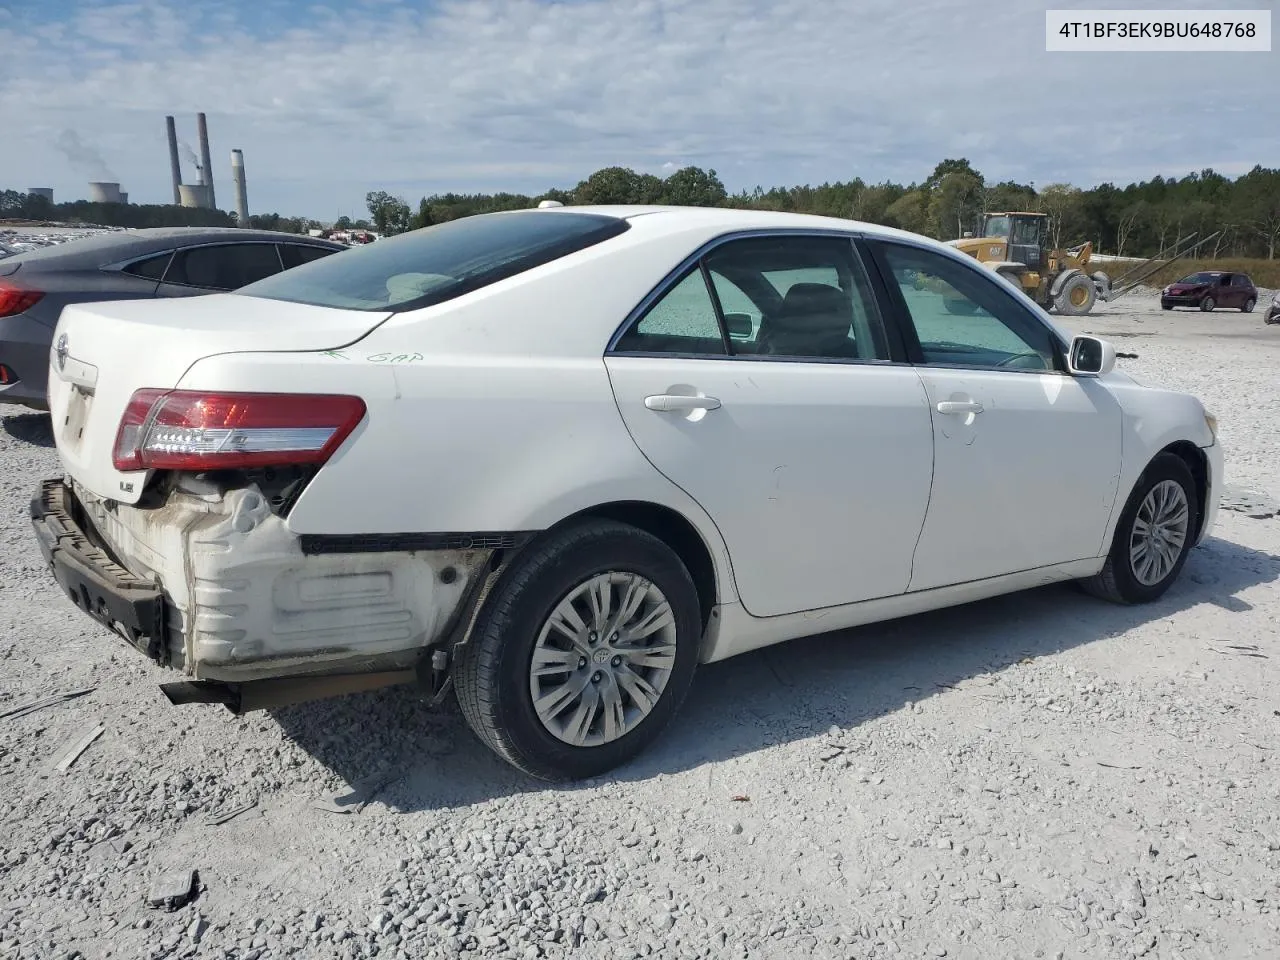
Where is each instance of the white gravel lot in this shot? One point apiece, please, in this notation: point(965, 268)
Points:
point(1041, 775)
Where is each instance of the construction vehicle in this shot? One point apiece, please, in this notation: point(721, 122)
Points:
point(1014, 244)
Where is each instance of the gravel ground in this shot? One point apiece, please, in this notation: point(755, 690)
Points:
point(1041, 775)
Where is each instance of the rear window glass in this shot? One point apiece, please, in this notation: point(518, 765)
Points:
point(438, 263)
point(296, 254)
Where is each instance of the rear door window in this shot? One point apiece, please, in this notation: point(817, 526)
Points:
point(224, 266)
point(296, 254)
point(151, 268)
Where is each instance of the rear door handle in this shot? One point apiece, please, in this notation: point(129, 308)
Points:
point(959, 406)
point(675, 403)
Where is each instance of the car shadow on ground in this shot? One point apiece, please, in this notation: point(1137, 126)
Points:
point(429, 759)
point(34, 428)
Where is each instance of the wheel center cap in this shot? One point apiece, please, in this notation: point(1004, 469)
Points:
point(600, 655)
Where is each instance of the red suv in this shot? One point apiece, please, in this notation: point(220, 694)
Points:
point(1209, 289)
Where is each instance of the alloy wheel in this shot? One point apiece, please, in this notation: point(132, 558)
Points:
point(1159, 532)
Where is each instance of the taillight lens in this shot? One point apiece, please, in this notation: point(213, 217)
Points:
point(15, 300)
point(192, 430)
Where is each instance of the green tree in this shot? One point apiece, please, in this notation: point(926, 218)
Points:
point(423, 217)
point(693, 187)
point(390, 214)
point(909, 212)
point(955, 204)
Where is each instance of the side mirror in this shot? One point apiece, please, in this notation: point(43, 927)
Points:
point(739, 325)
point(1090, 357)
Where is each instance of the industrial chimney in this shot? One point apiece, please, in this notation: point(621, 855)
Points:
point(242, 196)
point(206, 171)
point(174, 165)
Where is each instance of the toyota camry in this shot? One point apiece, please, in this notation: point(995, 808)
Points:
point(550, 461)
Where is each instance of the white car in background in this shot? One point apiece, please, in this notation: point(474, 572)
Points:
point(553, 459)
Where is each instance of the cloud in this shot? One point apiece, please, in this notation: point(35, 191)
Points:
point(332, 101)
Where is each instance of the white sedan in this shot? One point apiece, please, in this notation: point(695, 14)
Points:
point(553, 459)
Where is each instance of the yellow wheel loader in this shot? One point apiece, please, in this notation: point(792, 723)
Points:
point(1015, 245)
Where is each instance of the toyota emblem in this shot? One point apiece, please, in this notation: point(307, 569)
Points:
point(60, 351)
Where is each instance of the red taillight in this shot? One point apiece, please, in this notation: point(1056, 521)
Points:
point(7, 376)
point(191, 430)
point(15, 300)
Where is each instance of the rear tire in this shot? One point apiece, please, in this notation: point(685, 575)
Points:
point(1249, 305)
point(496, 678)
point(1166, 485)
point(1207, 304)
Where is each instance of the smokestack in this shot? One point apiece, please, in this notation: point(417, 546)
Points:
point(206, 171)
point(242, 196)
point(174, 166)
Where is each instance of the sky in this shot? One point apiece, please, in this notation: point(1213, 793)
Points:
point(329, 99)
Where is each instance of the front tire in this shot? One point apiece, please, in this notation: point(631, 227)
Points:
point(1077, 296)
point(583, 653)
point(1154, 535)
point(1207, 304)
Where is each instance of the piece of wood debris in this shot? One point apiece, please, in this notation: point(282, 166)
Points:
point(79, 746)
point(31, 706)
point(217, 819)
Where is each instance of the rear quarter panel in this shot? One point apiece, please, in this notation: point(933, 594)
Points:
point(493, 412)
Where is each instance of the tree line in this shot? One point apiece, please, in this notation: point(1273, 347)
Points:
point(1241, 214)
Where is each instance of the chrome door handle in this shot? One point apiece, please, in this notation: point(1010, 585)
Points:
point(674, 403)
point(959, 406)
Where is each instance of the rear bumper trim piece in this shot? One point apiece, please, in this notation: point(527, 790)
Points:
point(126, 604)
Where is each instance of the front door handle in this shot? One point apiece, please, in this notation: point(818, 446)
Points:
point(675, 403)
point(959, 406)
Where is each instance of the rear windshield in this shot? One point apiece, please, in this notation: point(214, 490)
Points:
point(437, 263)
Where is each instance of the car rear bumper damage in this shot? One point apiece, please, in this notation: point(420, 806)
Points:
point(216, 587)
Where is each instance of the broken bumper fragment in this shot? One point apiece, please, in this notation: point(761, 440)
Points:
point(131, 606)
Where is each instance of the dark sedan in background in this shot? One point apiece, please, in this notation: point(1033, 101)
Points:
point(1210, 289)
point(125, 265)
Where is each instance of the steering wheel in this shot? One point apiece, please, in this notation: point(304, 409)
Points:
point(1034, 361)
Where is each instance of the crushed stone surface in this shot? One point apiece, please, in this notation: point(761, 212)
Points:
point(1039, 775)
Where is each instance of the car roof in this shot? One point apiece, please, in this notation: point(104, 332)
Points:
point(676, 219)
point(116, 245)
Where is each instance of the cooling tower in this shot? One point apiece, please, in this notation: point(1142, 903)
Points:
point(103, 192)
point(194, 195)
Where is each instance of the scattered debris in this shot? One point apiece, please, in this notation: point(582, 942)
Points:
point(1240, 650)
point(1119, 766)
point(72, 753)
point(32, 706)
point(1252, 503)
point(173, 890)
point(218, 819)
point(739, 798)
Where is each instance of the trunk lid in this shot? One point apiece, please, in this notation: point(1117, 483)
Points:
point(103, 352)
